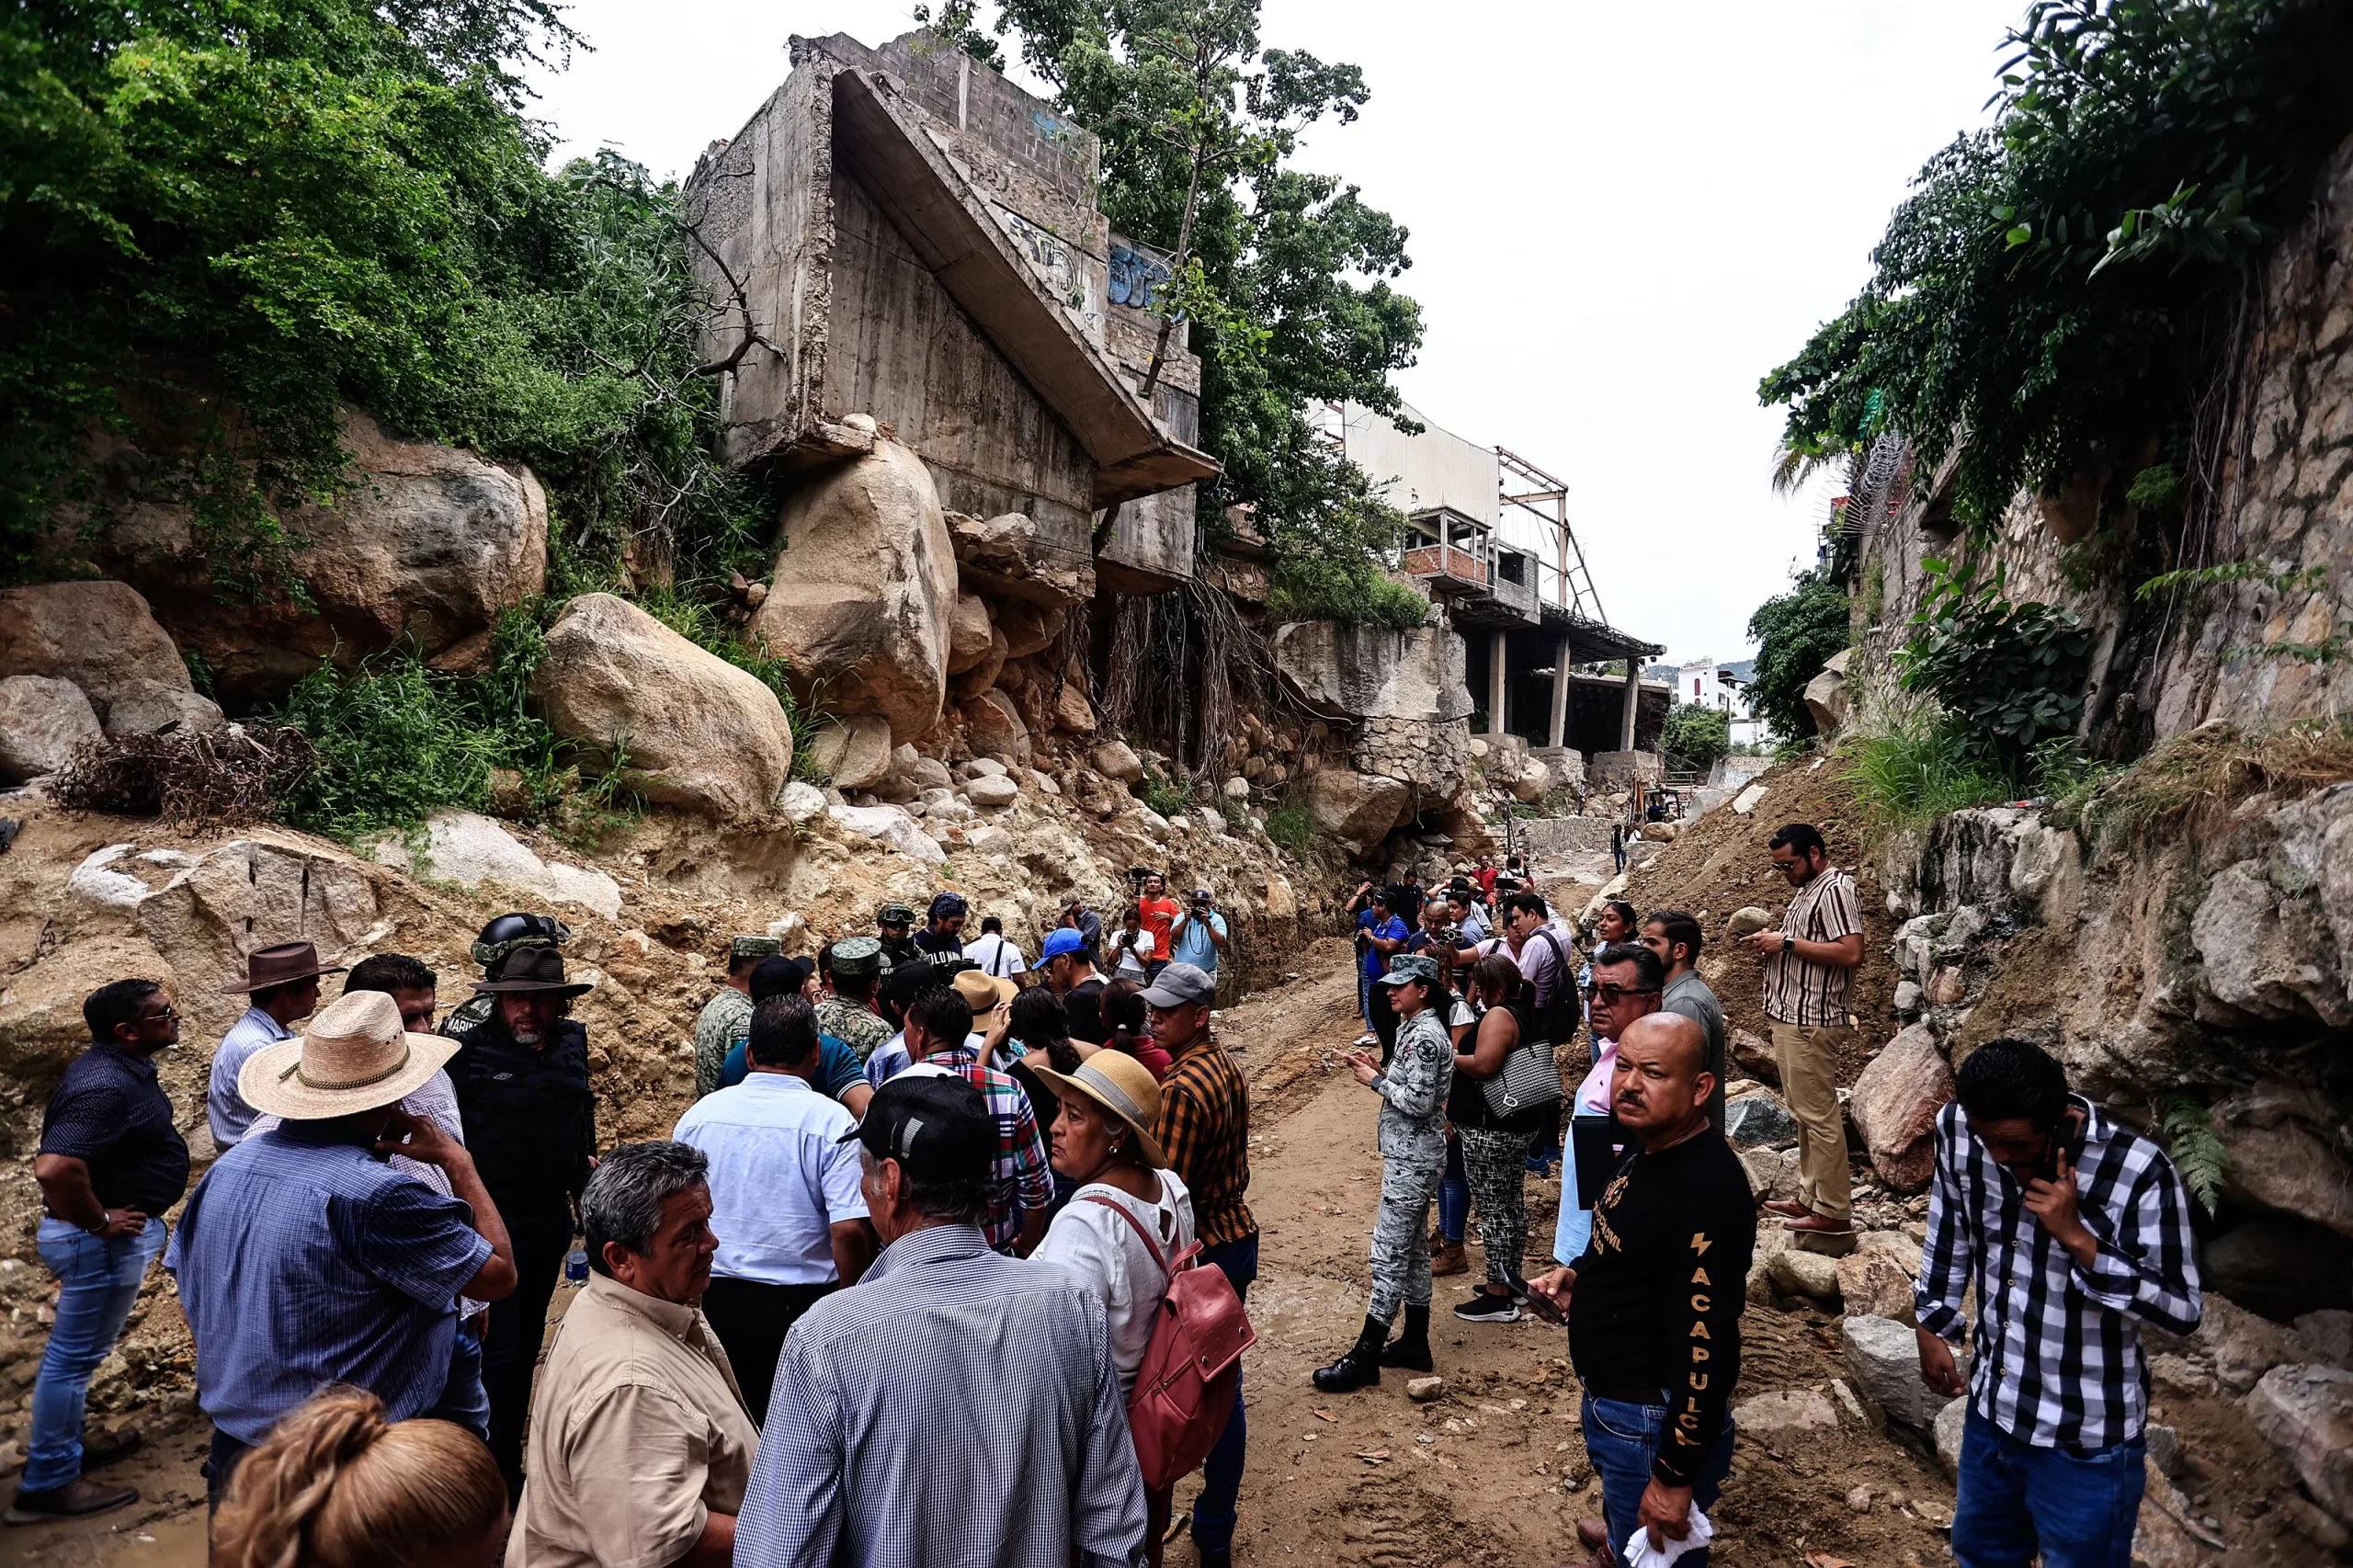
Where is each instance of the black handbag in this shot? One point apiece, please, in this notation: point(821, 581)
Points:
point(1527, 1081)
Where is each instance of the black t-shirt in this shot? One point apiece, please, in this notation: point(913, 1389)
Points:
point(530, 1116)
point(1083, 1005)
point(109, 1112)
point(1661, 1286)
point(939, 945)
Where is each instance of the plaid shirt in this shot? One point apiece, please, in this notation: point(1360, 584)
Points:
point(1798, 990)
point(2058, 1356)
point(1204, 1131)
point(1022, 1177)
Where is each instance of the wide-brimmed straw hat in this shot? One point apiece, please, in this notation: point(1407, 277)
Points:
point(533, 969)
point(984, 992)
point(354, 1057)
point(280, 964)
point(1120, 1085)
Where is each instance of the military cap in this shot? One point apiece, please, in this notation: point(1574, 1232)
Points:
point(753, 949)
point(854, 956)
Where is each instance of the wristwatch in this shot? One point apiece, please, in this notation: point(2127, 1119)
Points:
point(1785, 943)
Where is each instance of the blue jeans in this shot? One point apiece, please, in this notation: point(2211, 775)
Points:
point(1364, 996)
point(2075, 1507)
point(1621, 1440)
point(1453, 1195)
point(1214, 1510)
point(97, 1281)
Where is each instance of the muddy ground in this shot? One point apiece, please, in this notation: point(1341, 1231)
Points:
point(1491, 1474)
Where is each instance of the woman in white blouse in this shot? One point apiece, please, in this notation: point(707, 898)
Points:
point(1133, 943)
point(1128, 1217)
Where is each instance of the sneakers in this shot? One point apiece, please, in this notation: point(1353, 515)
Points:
point(77, 1499)
point(1449, 1259)
point(1368, 1040)
point(1485, 1307)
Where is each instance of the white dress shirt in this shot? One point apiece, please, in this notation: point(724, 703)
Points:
point(780, 1178)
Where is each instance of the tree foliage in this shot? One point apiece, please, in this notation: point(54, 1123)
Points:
point(227, 219)
point(2011, 674)
point(1286, 288)
point(2042, 297)
point(1697, 733)
point(1797, 633)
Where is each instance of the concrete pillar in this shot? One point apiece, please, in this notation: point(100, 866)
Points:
point(1634, 702)
point(1496, 683)
point(1560, 696)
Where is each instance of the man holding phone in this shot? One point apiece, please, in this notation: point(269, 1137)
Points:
point(2074, 1231)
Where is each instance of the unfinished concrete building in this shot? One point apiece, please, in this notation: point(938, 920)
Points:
point(912, 238)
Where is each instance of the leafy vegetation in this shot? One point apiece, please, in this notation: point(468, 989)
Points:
point(228, 219)
point(1291, 826)
point(1696, 734)
point(1284, 276)
point(2047, 297)
point(1797, 633)
point(1918, 770)
point(2205, 771)
point(2187, 1128)
point(2011, 674)
point(1162, 794)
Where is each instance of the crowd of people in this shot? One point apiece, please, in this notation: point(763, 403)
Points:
point(914, 1147)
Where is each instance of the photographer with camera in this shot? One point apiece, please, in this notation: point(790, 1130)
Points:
point(1199, 936)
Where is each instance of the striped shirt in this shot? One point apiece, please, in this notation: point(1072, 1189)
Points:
point(952, 1408)
point(2058, 1352)
point(1204, 1129)
point(1798, 990)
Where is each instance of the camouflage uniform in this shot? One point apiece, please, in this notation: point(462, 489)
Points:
point(854, 1024)
point(724, 1020)
point(1412, 1159)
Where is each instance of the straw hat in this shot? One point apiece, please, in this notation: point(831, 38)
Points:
point(984, 992)
point(354, 1057)
point(1120, 1085)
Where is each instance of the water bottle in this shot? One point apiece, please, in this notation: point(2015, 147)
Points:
point(576, 1267)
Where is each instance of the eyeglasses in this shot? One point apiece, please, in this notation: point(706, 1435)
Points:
point(1613, 995)
point(169, 1014)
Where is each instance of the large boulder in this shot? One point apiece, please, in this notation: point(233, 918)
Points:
point(42, 719)
point(1827, 697)
point(854, 753)
point(968, 632)
point(473, 851)
point(993, 728)
point(100, 635)
point(700, 733)
point(1895, 1103)
point(1876, 1278)
point(1117, 759)
point(864, 590)
point(1357, 809)
point(426, 549)
point(2307, 1412)
point(1883, 1357)
point(1371, 672)
point(144, 707)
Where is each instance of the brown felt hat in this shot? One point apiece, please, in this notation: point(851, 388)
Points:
point(279, 965)
point(532, 969)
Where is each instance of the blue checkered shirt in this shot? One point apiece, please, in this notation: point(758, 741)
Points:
point(304, 1261)
point(952, 1407)
point(2057, 1345)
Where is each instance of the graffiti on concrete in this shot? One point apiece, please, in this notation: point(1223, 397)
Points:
point(1136, 276)
point(1063, 271)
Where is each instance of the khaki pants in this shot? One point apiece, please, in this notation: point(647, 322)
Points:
point(1808, 1058)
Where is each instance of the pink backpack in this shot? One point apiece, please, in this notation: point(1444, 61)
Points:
point(1185, 1389)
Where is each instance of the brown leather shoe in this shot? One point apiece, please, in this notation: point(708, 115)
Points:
point(1819, 1226)
point(1449, 1259)
point(77, 1499)
point(1787, 1208)
point(1593, 1534)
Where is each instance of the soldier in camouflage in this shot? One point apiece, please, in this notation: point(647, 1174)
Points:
point(727, 1018)
point(1413, 1091)
point(849, 1013)
point(892, 923)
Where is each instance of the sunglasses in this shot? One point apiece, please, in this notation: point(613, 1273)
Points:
point(1614, 993)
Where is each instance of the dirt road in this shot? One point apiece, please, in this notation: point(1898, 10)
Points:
point(1493, 1473)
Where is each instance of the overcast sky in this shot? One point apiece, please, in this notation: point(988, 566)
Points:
point(1621, 217)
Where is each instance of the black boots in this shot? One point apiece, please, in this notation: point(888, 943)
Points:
point(1411, 1348)
point(1360, 1367)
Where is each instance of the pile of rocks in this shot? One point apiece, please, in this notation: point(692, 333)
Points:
point(79, 660)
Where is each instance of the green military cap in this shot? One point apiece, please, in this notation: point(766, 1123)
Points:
point(894, 914)
point(753, 949)
point(854, 956)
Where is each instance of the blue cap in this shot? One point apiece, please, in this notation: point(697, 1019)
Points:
point(1063, 940)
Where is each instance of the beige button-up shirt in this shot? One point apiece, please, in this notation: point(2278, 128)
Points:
point(638, 1434)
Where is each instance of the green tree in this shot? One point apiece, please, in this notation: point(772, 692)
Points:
point(1797, 633)
point(1696, 734)
point(227, 219)
point(2046, 297)
point(1283, 276)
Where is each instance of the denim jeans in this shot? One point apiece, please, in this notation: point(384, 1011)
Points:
point(1214, 1509)
point(1621, 1440)
point(2076, 1507)
point(97, 1282)
point(1453, 1195)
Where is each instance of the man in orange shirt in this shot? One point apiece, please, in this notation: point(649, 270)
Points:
point(1159, 911)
